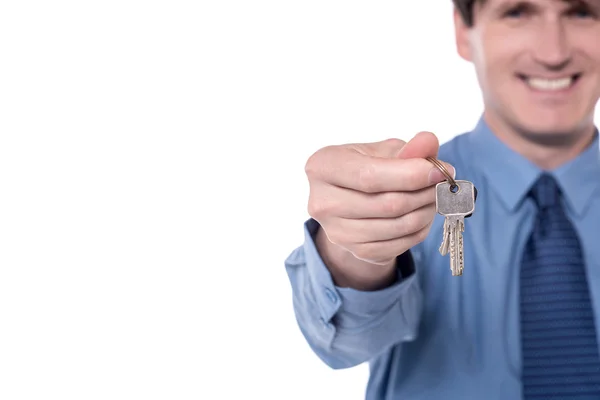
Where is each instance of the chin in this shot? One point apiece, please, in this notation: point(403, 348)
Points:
point(551, 132)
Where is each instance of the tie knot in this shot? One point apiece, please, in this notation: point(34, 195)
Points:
point(545, 192)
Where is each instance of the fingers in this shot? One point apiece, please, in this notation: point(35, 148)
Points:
point(326, 200)
point(359, 231)
point(383, 252)
point(373, 227)
point(389, 148)
point(347, 168)
point(375, 200)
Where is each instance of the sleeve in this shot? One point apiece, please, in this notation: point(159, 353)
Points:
point(343, 326)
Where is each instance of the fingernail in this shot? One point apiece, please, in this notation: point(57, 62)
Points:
point(436, 176)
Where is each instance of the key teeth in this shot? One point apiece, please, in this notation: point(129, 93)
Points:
point(443, 251)
point(452, 243)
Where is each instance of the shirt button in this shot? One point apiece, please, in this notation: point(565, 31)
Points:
point(332, 297)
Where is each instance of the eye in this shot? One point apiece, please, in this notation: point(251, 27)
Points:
point(580, 12)
point(513, 13)
point(582, 9)
point(518, 11)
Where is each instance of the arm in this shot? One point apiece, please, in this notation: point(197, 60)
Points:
point(345, 326)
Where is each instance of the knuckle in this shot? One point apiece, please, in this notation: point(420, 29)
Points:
point(408, 224)
point(392, 205)
point(394, 145)
point(416, 174)
point(313, 210)
point(366, 178)
point(317, 209)
point(395, 142)
point(414, 177)
point(313, 165)
point(310, 168)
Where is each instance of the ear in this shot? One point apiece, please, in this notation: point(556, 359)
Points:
point(461, 32)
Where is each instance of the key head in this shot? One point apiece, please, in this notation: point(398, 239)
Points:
point(459, 201)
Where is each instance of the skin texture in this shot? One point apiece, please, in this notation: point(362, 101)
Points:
point(374, 201)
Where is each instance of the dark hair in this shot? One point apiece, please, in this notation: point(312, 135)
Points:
point(465, 7)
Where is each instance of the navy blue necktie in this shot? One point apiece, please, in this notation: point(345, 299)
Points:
point(559, 347)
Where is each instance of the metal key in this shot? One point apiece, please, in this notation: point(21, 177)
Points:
point(445, 247)
point(455, 203)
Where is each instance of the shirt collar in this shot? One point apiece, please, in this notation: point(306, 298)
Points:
point(579, 179)
point(511, 175)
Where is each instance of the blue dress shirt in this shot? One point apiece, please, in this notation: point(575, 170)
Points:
point(432, 335)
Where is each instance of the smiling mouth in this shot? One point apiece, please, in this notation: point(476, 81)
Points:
point(550, 85)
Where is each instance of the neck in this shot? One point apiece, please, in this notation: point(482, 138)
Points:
point(547, 151)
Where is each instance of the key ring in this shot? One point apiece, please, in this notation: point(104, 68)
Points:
point(441, 167)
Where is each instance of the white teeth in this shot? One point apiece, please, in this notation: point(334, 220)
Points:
point(550, 84)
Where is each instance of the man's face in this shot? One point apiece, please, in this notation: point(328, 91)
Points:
point(537, 61)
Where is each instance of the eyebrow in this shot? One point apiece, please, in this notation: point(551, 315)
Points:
point(589, 3)
point(509, 5)
point(593, 4)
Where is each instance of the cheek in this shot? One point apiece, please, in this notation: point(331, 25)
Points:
point(496, 65)
point(585, 41)
point(593, 51)
point(589, 52)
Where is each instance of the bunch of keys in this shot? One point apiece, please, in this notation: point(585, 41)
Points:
point(454, 200)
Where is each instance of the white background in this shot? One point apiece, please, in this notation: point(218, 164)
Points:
point(152, 182)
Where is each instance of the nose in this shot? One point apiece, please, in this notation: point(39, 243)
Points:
point(552, 48)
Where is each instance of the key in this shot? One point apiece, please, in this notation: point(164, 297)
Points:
point(455, 203)
point(456, 244)
point(451, 242)
point(445, 247)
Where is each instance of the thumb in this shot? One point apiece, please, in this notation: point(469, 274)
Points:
point(422, 145)
point(389, 148)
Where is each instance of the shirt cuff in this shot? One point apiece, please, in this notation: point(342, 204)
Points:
point(362, 303)
point(330, 298)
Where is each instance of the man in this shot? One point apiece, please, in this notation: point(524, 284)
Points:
point(369, 284)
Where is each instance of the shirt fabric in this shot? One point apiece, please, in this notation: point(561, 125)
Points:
point(432, 335)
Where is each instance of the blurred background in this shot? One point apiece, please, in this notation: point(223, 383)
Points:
point(152, 182)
